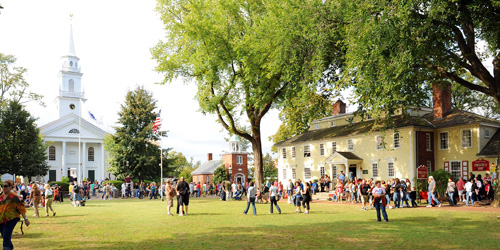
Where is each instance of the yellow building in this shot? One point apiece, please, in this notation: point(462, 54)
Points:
point(438, 138)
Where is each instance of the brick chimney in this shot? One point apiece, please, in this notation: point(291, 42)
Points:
point(339, 108)
point(441, 99)
point(209, 156)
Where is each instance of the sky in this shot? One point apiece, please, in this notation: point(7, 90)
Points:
point(113, 40)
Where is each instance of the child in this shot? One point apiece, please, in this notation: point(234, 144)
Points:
point(413, 197)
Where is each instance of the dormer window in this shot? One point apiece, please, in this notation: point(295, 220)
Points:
point(316, 126)
point(333, 124)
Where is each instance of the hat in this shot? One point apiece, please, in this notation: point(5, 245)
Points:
point(430, 177)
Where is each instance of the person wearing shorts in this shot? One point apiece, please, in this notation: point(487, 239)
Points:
point(169, 193)
point(183, 193)
point(364, 189)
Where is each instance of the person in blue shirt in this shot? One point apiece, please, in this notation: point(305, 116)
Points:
point(342, 176)
point(314, 187)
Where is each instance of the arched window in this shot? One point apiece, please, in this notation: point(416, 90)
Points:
point(52, 153)
point(91, 154)
point(71, 85)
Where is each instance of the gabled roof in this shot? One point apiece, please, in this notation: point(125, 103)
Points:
point(352, 129)
point(349, 155)
point(208, 167)
point(458, 117)
point(72, 119)
point(491, 148)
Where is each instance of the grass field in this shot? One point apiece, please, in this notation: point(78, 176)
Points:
point(213, 224)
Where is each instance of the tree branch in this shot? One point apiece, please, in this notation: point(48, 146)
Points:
point(268, 105)
point(452, 76)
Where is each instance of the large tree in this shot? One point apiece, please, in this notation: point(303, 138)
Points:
point(134, 141)
point(246, 57)
point(398, 48)
point(23, 151)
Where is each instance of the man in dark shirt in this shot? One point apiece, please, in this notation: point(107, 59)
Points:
point(183, 193)
point(364, 189)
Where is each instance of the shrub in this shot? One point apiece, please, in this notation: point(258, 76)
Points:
point(441, 178)
point(117, 184)
point(64, 185)
point(65, 179)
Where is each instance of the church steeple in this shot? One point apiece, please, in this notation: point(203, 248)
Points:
point(70, 89)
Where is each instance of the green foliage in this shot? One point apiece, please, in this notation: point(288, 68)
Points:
point(134, 140)
point(441, 178)
point(13, 86)
point(221, 174)
point(65, 179)
point(270, 169)
point(246, 57)
point(63, 184)
point(117, 183)
point(186, 173)
point(177, 161)
point(23, 152)
point(477, 103)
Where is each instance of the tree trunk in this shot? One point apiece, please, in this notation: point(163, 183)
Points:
point(496, 198)
point(257, 161)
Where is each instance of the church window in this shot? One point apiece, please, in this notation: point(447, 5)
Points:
point(71, 85)
point(52, 153)
point(239, 159)
point(74, 131)
point(91, 154)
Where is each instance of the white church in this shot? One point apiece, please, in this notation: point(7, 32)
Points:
point(76, 145)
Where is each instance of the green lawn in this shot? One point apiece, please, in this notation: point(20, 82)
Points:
point(213, 224)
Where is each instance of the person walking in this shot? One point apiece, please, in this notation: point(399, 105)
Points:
point(450, 189)
point(251, 199)
point(297, 196)
point(431, 189)
point(169, 195)
point(468, 193)
point(273, 192)
point(379, 201)
point(48, 200)
point(461, 189)
point(183, 192)
point(364, 189)
point(11, 208)
point(36, 196)
point(307, 197)
point(290, 191)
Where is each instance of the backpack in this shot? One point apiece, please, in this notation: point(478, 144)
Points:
point(76, 189)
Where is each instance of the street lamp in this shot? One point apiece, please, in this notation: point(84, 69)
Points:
point(230, 172)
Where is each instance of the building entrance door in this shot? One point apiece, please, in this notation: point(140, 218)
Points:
point(352, 171)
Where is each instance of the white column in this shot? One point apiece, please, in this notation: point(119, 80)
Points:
point(84, 159)
point(63, 160)
point(102, 162)
point(412, 156)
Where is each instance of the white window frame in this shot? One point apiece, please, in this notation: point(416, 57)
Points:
point(294, 153)
point(463, 138)
point(294, 173)
point(447, 141)
point(429, 166)
point(428, 142)
point(389, 169)
point(350, 145)
point(334, 172)
point(322, 149)
point(459, 169)
point(307, 173)
point(239, 159)
point(379, 142)
point(316, 126)
point(334, 147)
point(397, 142)
point(284, 173)
point(322, 170)
point(91, 154)
point(375, 169)
point(307, 153)
point(487, 133)
point(283, 153)
point(52, 155)
point(333, 124)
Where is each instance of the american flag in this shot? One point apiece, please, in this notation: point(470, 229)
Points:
point(157, 122)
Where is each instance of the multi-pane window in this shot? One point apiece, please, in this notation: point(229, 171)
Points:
point(321, 149)
point(333, 123)
point(429, 166)
point(294, 173)
point(428, 142)
point(334, 147)
point(284, 153)
point(456, 170)
point(486, 133)
point(397, 141)
point(334, 172)
point(390, 168)
point(307, 151)
point(307, 173)
point(466, 138)
point(239, 159)
point(350, 145)
point(374, 169)
point(443, 139)
point(322, 170)
point(379, 143)
point(52, 153)
point(284, 174)
point(293, 152)
point(91, 154)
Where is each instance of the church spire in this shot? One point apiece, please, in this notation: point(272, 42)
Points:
point(71, 42)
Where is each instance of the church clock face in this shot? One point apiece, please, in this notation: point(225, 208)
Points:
point(72, 106)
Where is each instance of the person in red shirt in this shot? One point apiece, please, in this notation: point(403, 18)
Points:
point(461, 189)
point(198, 189)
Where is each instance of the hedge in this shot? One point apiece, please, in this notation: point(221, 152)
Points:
point(64, 185)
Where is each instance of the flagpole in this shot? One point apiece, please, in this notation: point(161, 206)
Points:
point(79, 138)
point(161, 164)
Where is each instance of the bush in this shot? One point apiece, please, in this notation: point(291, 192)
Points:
point(64, 185)
point(65, 179)
point(117, 184)
point(441, 178)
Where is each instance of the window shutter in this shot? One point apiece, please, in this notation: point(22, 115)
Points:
point(447, 166)
point(465, 169)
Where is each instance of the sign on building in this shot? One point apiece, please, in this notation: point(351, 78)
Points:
point(481, 165)
point(422, 172)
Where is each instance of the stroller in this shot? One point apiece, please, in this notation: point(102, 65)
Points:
point(237, 195)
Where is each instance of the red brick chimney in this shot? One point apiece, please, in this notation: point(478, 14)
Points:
point(441, 98)
point(339, 108)
point(209, 156)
